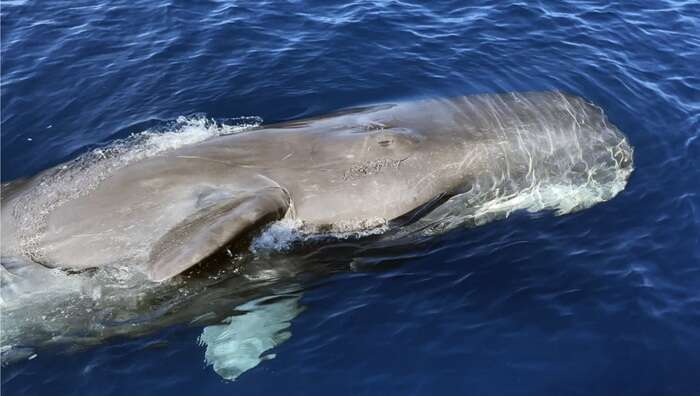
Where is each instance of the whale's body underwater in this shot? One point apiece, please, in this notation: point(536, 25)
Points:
point(354, 170)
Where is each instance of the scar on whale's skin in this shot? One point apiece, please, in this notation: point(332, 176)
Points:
point(369, 168)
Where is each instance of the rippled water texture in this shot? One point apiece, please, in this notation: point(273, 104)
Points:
point(602, 301)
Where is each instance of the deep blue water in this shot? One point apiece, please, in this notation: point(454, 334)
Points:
point(604, 301)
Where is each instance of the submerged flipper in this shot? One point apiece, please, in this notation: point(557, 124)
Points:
point(242, 341)
point(211, 228)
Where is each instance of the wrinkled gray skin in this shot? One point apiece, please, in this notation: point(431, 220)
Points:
point(343, 172)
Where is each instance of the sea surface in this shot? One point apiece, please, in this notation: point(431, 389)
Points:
point(604, 301)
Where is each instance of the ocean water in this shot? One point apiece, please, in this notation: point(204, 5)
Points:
point(601, 301)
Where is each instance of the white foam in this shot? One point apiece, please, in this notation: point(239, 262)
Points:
point(278, 236)
point(283, 234)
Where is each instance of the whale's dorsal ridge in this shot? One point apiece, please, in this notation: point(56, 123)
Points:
point(213, 227)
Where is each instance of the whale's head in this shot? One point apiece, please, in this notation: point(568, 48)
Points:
point(512, 146)
point(553, 130)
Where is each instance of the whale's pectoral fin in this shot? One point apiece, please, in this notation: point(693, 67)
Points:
point(244, 340)
point(211, 228)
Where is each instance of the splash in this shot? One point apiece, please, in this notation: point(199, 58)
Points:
point(282, 235)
